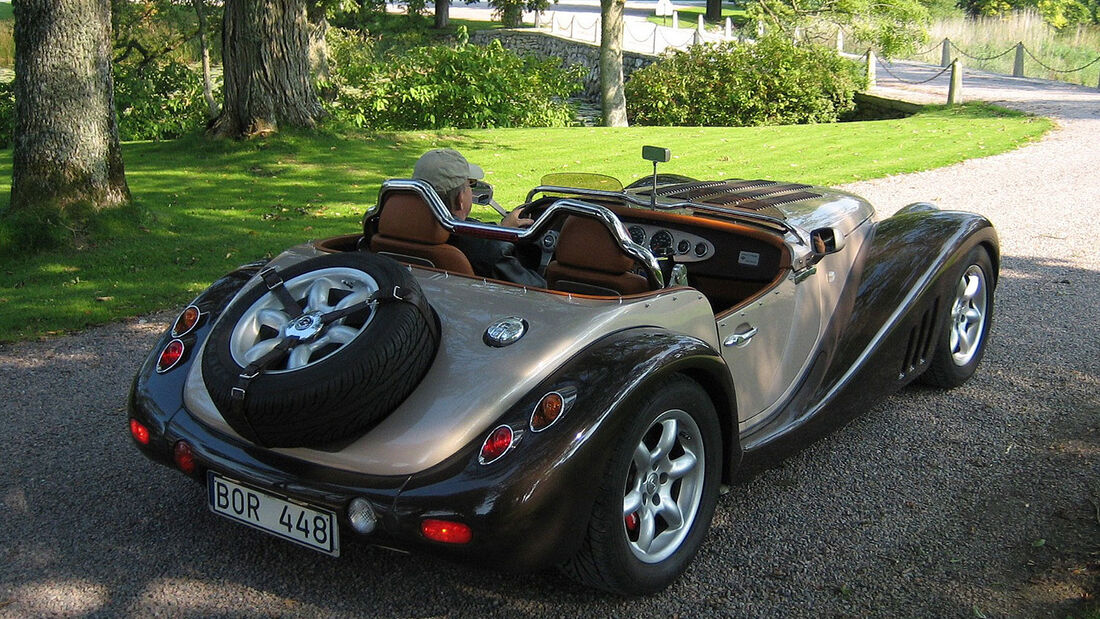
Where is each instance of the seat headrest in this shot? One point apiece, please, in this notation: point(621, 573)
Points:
point(408, 217)
point(586, 243)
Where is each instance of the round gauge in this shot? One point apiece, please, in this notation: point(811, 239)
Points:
point(700, 249)
point(637, 234)
point(661, 243)
point(683, 247)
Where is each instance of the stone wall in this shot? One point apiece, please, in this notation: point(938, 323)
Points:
point(546, 45)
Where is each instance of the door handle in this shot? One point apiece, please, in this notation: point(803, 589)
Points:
point(740, 339)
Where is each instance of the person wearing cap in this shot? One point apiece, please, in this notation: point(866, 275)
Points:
point(452, 178)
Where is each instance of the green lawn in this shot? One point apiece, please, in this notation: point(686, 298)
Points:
point(6, 11)
point(688, 16)
point(209, 206)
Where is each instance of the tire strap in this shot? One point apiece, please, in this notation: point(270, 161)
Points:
point(278, 288)
point(254, 369)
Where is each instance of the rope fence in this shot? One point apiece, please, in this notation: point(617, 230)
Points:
point(657, 40)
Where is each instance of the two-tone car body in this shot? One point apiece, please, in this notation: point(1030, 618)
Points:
point(575, 425)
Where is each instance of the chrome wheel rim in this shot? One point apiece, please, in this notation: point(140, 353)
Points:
point(265, 324)
point(664, 486)
point(968, 316)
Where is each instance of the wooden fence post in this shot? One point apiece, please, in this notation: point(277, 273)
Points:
point(945, 55)
point(1018, 65)
point(655, 29)
point(700, 25)
point(954, 92)
point(729, 28)
point(572, 19)
point(675, 20)
point(870, 68)
point(839, 41)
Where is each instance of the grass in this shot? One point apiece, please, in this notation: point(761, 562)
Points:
point(209, 206)
point(688, 16)
point(1069, 48)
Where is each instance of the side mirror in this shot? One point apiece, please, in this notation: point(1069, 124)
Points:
point(483, 192)
point(826, 241)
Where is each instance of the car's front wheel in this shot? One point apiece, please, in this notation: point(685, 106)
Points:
point(961, 343)
point(657, 495)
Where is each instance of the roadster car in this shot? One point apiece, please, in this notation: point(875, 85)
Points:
point(373, 386)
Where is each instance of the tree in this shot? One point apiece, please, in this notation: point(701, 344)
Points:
point(265, 54)
point(207, 81)
point(442, 13)
point(66, 148)
point(714, 10)
point(612, 97)
point(892, 26)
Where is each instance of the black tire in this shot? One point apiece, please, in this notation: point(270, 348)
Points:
point(948, 368)
point(608, 556)
point(344, 391)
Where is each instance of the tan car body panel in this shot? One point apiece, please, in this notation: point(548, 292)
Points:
point(470, 384)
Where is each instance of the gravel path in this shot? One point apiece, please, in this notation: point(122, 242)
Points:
point(976, 502)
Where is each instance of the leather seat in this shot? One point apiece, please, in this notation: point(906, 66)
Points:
point(408, 231)
point(588, 260)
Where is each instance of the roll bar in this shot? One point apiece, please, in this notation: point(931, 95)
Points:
point(558, 207)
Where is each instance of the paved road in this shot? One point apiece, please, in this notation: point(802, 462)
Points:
point(975, 502)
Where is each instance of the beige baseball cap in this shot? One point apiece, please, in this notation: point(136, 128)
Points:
point(444, 169)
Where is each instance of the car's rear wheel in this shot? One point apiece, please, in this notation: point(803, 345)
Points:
point(962, 340)
point(658, 494)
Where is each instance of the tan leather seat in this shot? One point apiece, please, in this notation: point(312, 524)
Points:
point(409, 231)
point(588, 260)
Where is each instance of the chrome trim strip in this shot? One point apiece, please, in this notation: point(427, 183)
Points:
point(564, 205)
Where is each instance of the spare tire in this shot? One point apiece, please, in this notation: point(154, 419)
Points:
point(340, 379)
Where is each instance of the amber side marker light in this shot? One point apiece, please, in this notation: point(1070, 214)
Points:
point(547, 411)
point(184, 457)
point(139, 432)
point(186, 321)
point(170, 356)
point(446, 531)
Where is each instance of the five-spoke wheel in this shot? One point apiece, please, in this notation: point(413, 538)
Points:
point(961, 343)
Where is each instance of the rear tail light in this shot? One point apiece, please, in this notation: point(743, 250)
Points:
point(139, 432)
point(170, 356)
point(446, 531)
point(186, 321)
point(499, 441)
point(184, 457)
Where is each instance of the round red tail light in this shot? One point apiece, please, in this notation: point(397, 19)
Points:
point(170, 356)
point(496, 444)
point(139, 432)
point(446, 531)
point(186, 321)
point(184, 457)
point(547, 411)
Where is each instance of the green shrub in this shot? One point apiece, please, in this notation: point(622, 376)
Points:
point(771, 82)
point(160, 101)
point(463, 87)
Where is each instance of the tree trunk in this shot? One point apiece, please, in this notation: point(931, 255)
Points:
point(66, 147)
point(207, 81)
point(612, 95)
point(318, 46)
point(714, 10)
point(265, 52)
point(442, 13)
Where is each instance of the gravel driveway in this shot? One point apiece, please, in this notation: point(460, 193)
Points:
point(981, 501)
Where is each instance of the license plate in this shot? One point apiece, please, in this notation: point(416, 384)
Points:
point(301, 524)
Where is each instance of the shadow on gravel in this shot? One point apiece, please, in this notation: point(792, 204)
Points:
point(972, 501)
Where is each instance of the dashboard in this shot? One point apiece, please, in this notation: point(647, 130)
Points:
point(684, 247)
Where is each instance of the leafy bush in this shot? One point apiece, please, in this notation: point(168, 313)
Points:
point(7, 113)
point(159, 101)
point(771, 82)
point(463, 87)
